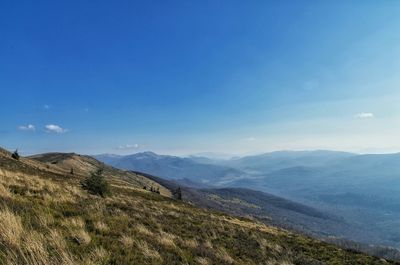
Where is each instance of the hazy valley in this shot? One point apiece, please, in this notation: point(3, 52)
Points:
point(358, 192)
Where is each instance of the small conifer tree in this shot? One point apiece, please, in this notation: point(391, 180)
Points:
point(15, 155)
point(96, 184)
point(178, 194)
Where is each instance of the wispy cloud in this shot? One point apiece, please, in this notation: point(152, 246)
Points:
point(52, 128)
point(249, 139)
point(28, 127)
point(364, 115)
point(46, 107)
point(128, 147)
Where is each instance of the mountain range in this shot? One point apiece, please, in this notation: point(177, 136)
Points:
point(173, 167)
point(48, 217)
point(364, 190)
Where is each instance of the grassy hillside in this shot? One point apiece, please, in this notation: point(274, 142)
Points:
point(46, 218)
point(280, 212)
point(83, 165)
point(265, 207)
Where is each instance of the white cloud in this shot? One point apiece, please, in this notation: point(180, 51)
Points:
point(52, 128)
point(249, 139)
point(46, 107)
point(364, 115)
point(128, 146)
point(28, 127)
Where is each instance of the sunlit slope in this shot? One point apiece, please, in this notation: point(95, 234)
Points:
point(46, 218)
point(82, 166)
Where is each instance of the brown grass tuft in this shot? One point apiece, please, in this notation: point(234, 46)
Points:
point(98, 256)
point(62, 256)
point(101, 226)
point(143, 230)
point(147, 251)
point(35, 249)
point(202, 261)
point(5, 192)
point(10, 228)
point(191, 243)
point(126, 241)
point(74, 222)
point(223, 255)
point(166, 239)
point(81, 237)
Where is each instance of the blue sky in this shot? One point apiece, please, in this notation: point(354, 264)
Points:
point(183, 77)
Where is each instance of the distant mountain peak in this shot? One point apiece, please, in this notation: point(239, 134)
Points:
point(149, 153)
point(146, 154)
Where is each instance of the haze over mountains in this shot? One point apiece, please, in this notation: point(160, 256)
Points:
point(173, 167)
point(363, 189)
point(46, 217)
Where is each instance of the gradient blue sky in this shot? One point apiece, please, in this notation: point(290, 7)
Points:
point(183, 77)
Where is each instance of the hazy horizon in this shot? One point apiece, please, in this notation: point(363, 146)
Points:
point(212, 155)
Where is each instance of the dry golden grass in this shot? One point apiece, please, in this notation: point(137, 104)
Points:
point(148, 251)
point(208, 244)
point(5, 192)
point(75, 191)
point(81, 237)
point(8, 178)
point(167, 239)
point(143, 230)
point(251, 225)
point(34, 185)
point(34, 246)
point(266, 245)
point(44, 220)
point(173, 214)
point(223, 255)
point(126, 241)
point(101, 226)
point(284, 262)
point(98, 207)
point(202, 261)
point(11, 228)
point(191, 243)
point(278, 262)
point(97, 256)
point(74, 223)
point(62, 257)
